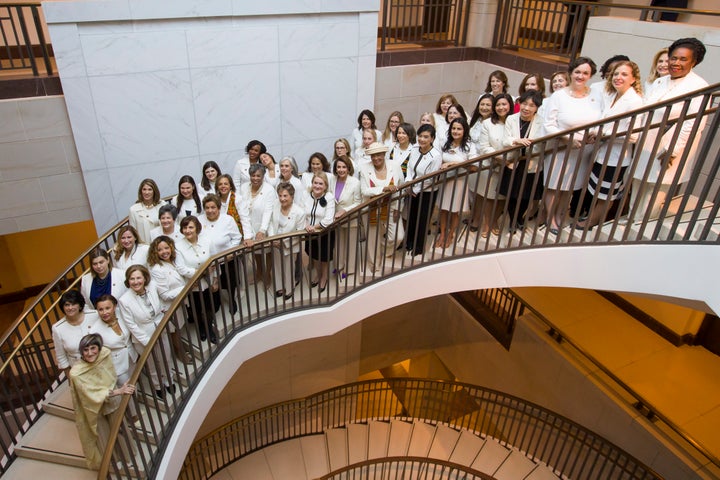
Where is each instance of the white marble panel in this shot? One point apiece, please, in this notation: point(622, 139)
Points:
point(145, 117)
point(102, 192)
point(104, 28)
point(351, 5)
point(181, 24)
point(179, 8)
point(67, 51)
point(315, 41)
point(45, 117)
point(81, 110)
point(71, 155)
point(39, 158)
point(243, 7)
point(210, 48)
point(86, 11)
point(303, 149)
point(365, 82)
point(411, 108)
point(367, 33)
point(121, 53)
point(235, 104)
point(317, 98)
point(418, 79)
point(22, 197)
point(51, 219)
point(11, 126)
point(64, 191)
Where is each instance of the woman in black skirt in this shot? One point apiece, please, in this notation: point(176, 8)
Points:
point(319, 207)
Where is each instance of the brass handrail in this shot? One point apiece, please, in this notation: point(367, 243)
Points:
point(406, 464)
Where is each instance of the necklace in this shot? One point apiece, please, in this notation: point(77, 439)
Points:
point(582, 94)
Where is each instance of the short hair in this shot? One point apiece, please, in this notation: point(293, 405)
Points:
point(426, 127)
point(287, 186)
point(257, 167)
point(293, 163)
point(370, 115)
point(89, 340)
point(73, 297)
point(323, 159)
point(211, 197)
point(582, 61)
point(447, 96)
point(191, 219)
point(533, 95)
point(156, 191)
point(540, 83)
point(226, 177)
point(137, 268)
point(653, 68)
point(637, 86)
point(106, 297)
point(168, 208)
point(495, 118)
point(153, 257)
point(254, 143)
point(97, 253)
point(500, 75)
point(205, 182)
point(324, 178)
point(605, 67)
point(409, 131)
point(693, 44)
point(348, 163)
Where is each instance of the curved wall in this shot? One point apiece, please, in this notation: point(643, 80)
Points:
point(671, 270)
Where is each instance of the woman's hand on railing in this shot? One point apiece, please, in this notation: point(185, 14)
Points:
point(339, 213)
point(248, 243)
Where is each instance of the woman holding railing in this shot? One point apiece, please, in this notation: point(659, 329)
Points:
point(319, 206)
point(347, 196)
point(102, 278)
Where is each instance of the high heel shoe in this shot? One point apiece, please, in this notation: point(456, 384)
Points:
point(322, 289)
point(289, 295)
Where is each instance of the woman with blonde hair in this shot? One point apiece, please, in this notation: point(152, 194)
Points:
point(659, 68)
point(393, 122)
point(319, 206)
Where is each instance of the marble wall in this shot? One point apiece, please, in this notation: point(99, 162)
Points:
point(155, 89)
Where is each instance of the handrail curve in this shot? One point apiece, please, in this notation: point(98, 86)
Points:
point(368, 469)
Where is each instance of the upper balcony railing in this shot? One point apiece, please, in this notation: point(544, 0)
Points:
point(690, 216)
point(429, 23)
point(22, 39)
point(568, 449)
point(557, 27)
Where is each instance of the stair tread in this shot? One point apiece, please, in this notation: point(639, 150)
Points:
point(444, 442)
point(466, 449)
point(253, 466)
point(60, 402)
point(337, 447)
point(491, 456)
point(357, 434)
point(421, 439)
point(53, 434)
point(541, 472)
point(31, 468)
point(400, 433)
point(379, 435)
point(315, 456)
point(284, 458)
point(516, 465)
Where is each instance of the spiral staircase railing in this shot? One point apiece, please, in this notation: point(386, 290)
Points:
point(690, 218)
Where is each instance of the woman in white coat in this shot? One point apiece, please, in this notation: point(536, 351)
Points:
point(347, 196)
point(102, 278)
point(143, 311)
point(288, 217)
point(607, 178)
point(68, 331)
point(116, 337)
point(654, 175)
point(143, 215)
point(128, 250)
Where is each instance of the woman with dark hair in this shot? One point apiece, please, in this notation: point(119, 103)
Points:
point(454, 111)
point(68, 331)
point(261, 200)
point(316, 163)
point(210, 172)
point(187, 200)
point(658, 164)
point(143, 216)
point(116, 337)
point(365, 120)
point(483, 110)
point(347, 196)
point(168, 226)
point(400, 151)
point(102, 278)
point(497, 83)
point(231, 204)
point(253, 150)
point(453, 198)
point(128, 250)
point(441, 108)
point(96, 397)
point(272, 169)
point(567, 169)
point(424, 160)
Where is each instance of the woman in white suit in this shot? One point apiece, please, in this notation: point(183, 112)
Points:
point(347, 196)
point(128, 250)
point(142, 311)
point(288, 217)
point(607, 178)
point(102, 278)
point(116, 337)
point(519, 181)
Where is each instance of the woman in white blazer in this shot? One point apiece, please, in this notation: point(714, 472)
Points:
point(116, 337)
point(347, 196)
point(143, 215)
point(102, 278)
point(128, 250)
point(288, 217)
point(519, 181)
point(142, 311)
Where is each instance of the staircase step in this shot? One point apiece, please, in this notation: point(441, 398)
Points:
point(378, 439)
point(28, 468)
point(253, 466)
point(443, 442)
point(53, 439)
point(59, 403)
point(337, 446)
point(542, 472)
point(491, 456)
point(284, 458)
point(400, 433)
point(315, 456)
point(467, 448)
point(516, 465)
point(421, 439)
point(357, 434)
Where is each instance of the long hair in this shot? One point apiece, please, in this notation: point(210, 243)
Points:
point(495, 118)
point(465, 141)
point(637, 86)
point(500, 75)
point(205, 182)
point(653, 68)
point(387, 133)
point(118, 248)
point(153, 257)
point(153, 185)
point(476, 114)
point(196, 197)
point(97, 253)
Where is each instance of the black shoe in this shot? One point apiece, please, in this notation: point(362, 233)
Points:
point(322, 289)
point(160, 394)
point(171, 389)
point(313, 284)
point(289, 295)
point(203, 336)
point(280, 293)
point(213, 336)
point(233, 307)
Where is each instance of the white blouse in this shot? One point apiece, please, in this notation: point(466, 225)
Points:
point(67, 338)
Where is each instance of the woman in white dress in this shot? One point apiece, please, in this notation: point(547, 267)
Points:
point(116, 336)
point(362, 159)
point(272, 169)
point(102, 278)
point(453, 198)
point(128, 250)
point(69, 330)
point(454, 111)
point(168, 225)
point(488, 201)
point(187, 200)
point(568, 169)
point(143, 311)
point(347, 196)
point(170, 276)
point(210, 172)
point(317, 163)
point(143, 216)
point(288, 217)
point(366, 120)
point(607, 178)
